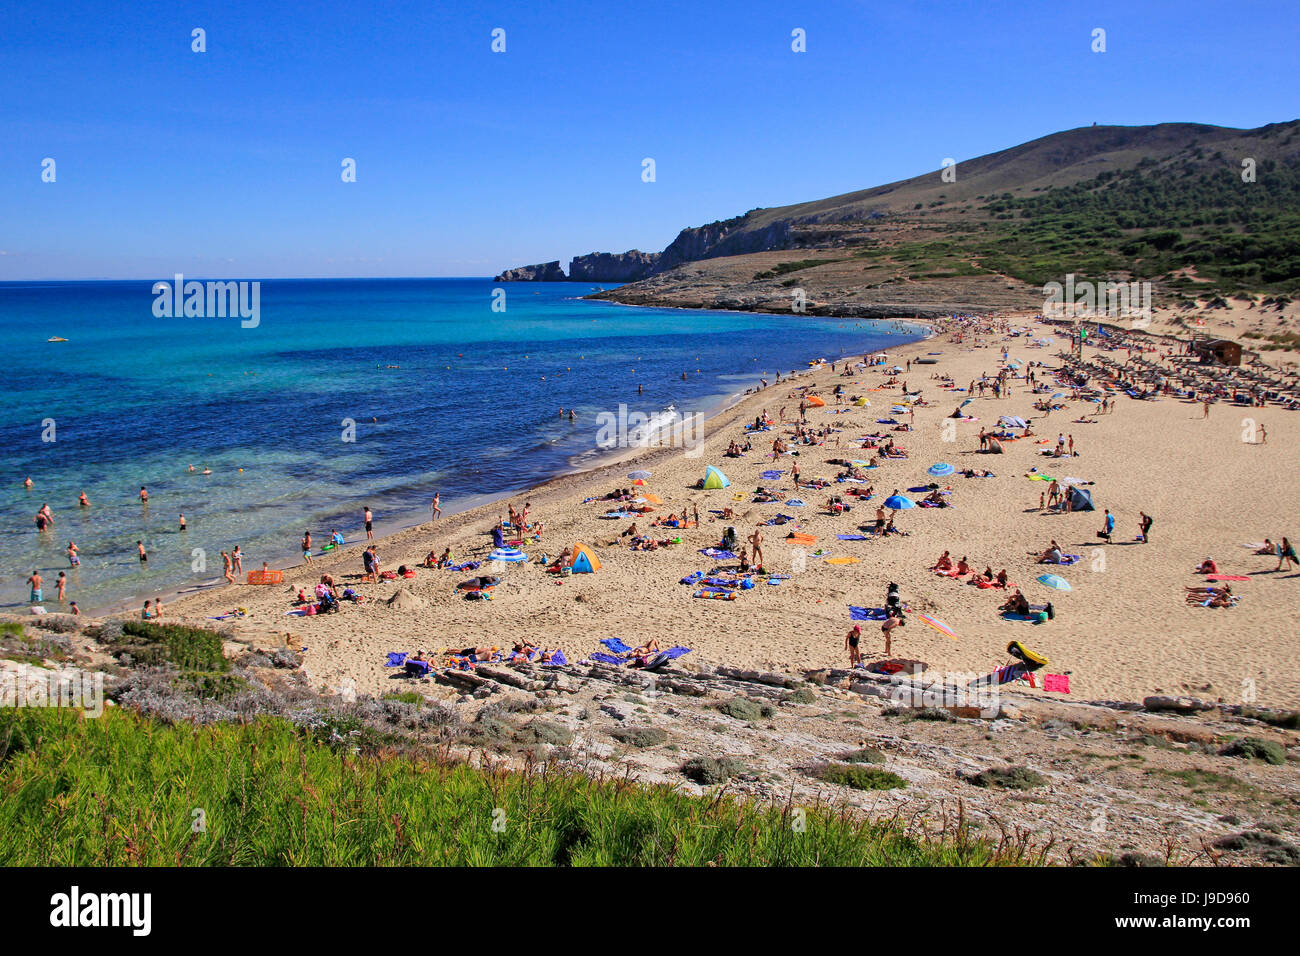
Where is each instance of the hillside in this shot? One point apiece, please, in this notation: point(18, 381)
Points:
point(1165, 203)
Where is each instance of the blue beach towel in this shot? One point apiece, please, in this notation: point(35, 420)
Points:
point(852, 537)
point(866, 614)
point(615, 645)
point(718, 554)
point(607, 659)
point(396, 658)
point(557, 660)
point(770, 475)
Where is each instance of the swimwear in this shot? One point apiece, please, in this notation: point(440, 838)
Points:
point(37, 594)
point(368, 527)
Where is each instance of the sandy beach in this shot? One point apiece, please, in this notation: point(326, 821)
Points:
point(1123, 632)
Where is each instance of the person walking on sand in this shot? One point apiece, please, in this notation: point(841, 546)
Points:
point(1144, 527)
point(1263, 435)
point(435, 507)
point(887, 629)
point(226, 568)
point(1285, 552)
point(306, 546)
point(851, 645)
point(370, 528)
point(1205, 404)
point(756, 541)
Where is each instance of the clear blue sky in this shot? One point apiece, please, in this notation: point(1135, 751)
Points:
point(227, 163)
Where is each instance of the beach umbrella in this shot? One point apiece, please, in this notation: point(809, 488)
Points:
point(965, 403)
point(1055, 581)
point(862, 402)
point(639, 481)
point(508, 555)
point(638, 474)
point(941, 469)
point(899, 502)
point(938, 625)
point(1073, 481)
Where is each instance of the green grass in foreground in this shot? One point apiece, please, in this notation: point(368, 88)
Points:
point(123, 790)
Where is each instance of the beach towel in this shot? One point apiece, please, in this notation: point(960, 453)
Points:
point(717, 594)
point(1227, 577)
point(795, 503)
point(615, 645)
point(843, 560)
point(717, 554)
point(1057, 683)
point(692, 577)
point(866, 614)
point(608, 659)
point(770, 475)
point(662, 658)
point(852, 537)
point(396, 658)
point(418, 668)
point(799, 537)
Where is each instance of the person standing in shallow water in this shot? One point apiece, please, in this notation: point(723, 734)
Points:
point(370, 527)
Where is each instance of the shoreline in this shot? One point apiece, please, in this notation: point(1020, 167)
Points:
point(1138, 458)
point(414, 521)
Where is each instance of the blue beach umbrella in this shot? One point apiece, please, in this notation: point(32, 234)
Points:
point(638, 474)
point(899, 502)
point(941, 469)
point(1055, 581)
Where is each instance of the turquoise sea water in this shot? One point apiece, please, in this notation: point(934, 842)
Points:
point(472, 411)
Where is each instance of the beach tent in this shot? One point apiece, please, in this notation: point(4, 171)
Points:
point(582, 561)
point(1012, 421)
point(1081, 499)
point(816, 401)
point(713, 478)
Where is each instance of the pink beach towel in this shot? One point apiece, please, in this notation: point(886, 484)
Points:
point(1057, 682)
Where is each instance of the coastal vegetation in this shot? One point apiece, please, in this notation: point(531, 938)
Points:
point(128, 790)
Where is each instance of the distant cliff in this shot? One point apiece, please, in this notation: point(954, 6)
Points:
point(731, 237)
point(613, 266)
point(542, 272)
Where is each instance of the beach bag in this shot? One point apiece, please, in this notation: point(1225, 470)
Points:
point(1051, 612)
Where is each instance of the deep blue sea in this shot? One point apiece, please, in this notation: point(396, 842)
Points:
point(473, 410)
